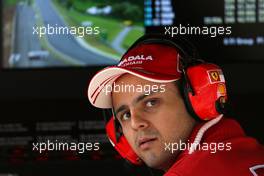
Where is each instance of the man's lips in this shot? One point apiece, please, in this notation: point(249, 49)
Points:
point(145, 142)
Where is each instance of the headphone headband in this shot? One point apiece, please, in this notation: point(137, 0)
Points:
point(188, 52)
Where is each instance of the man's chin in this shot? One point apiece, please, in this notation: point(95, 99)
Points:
point(152, 160)
point(159, 161)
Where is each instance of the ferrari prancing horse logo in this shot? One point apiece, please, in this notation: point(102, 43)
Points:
point(215, 76)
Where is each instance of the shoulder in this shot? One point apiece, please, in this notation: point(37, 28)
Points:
point(225, 150)
point(206, 163)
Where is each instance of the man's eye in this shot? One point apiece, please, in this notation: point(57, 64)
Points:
point(151, 103)
point(125, 116)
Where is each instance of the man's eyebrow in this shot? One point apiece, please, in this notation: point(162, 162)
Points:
point(121, 108)
point(143, 96)
point(136, 100)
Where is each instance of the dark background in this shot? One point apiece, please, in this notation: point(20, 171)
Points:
point(59, 94)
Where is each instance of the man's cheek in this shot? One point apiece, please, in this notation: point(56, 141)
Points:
point(159, 145)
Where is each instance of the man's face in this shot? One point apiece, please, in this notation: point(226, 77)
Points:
point(151, 119)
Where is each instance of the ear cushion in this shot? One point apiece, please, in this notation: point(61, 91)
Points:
point(208, 84)
point(122, 146)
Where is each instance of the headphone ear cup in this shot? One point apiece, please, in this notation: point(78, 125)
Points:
point(121, 145)
point(208, 85)
point(221, 105)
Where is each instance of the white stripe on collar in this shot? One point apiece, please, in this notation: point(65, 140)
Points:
point(201, 132)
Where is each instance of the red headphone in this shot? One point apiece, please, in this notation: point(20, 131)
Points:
point(203, 87)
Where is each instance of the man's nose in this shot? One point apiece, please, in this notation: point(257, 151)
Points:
point(138, 121)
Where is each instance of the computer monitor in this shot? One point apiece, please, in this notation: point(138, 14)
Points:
point(224, 31)
point(61, 33)
point(50, 47)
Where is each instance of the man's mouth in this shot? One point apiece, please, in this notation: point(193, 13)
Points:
point(145, 143)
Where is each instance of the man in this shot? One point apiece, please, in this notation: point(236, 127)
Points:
point(169, 108)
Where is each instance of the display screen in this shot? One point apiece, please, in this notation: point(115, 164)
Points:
point(223, 30)
point(58, 33)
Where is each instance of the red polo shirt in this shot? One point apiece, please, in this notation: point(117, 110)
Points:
point(242, 155)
